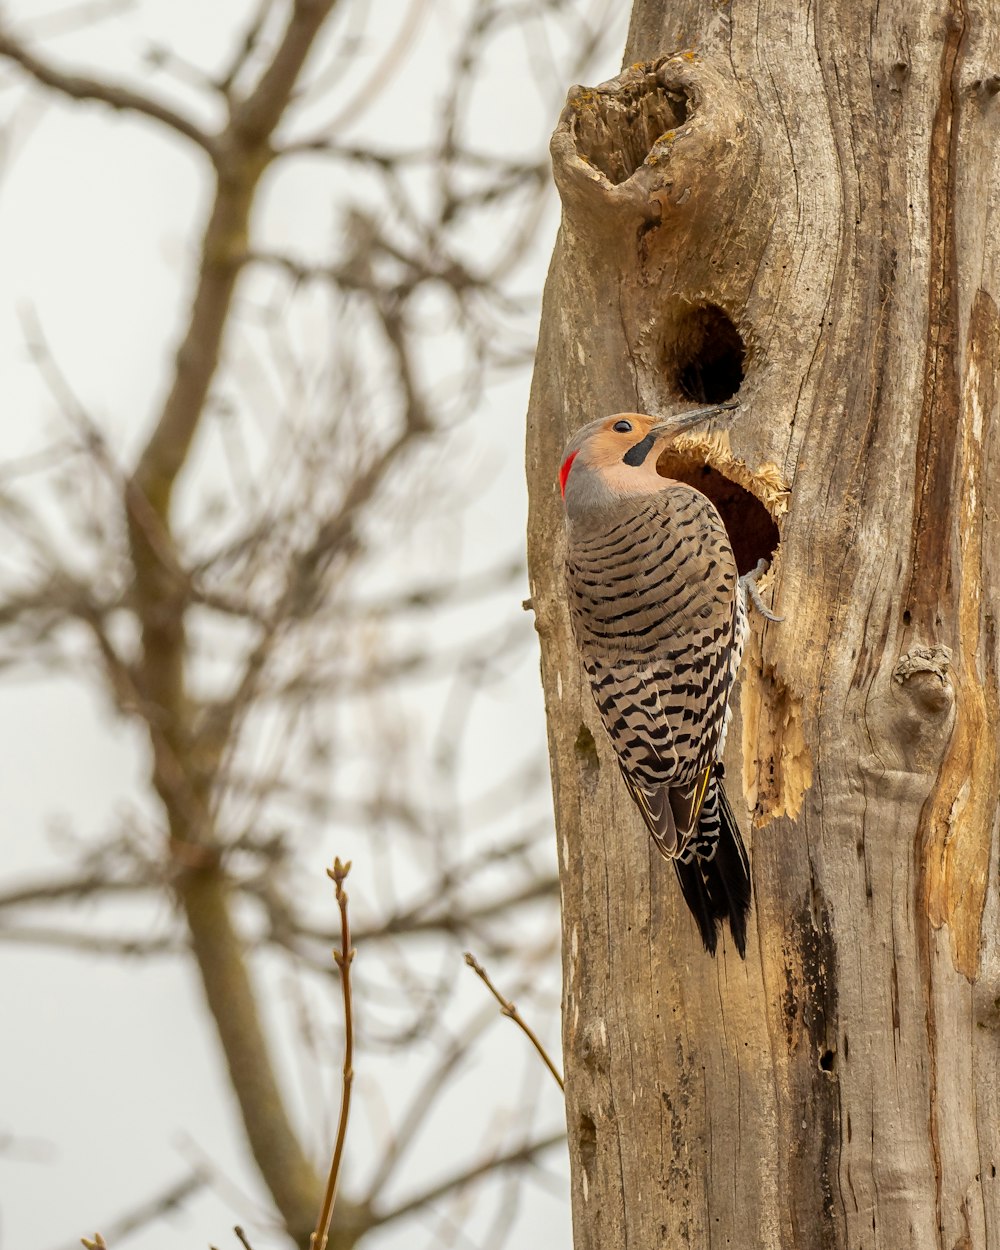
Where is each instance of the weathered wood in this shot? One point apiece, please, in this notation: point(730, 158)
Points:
point(827, 177)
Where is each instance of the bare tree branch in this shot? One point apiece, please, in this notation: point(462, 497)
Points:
point(420, 1104)
point(494, 1163)
point(80, 87)
point(242, 157)
point(89, 943)
point(302, 583)
point(245, 47)
point(75, 887)
point(454, 922)
point(170, 1199)
point(257, 116)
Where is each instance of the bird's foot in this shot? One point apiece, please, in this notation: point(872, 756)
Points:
point(748, 583)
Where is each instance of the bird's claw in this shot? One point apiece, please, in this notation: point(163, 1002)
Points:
point(749, 584)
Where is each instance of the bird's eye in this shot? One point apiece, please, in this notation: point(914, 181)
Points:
point(623, 427)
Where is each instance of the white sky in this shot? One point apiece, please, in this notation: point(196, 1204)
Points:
point(112, 1079)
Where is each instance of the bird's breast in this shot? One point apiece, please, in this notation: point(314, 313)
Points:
point(640, 580)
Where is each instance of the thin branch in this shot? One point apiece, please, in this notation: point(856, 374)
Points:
point(479, 657)
point(79, 87)
point(258, 115)
point(350, 277)
point(446, 1067)
point(471, 587)
point(245, 48)
point(508, 1009)
point(79, 886)
point(509, 174)
point(344, 958)
point(513, 1158)
point(90, 944)
point(59, 596)
point(367, 93)
point(170, 1199)
point(304, 576)
point(455, 880)
point(455, 922)
point(243, 152)
point(92, 439)
point(40, 461)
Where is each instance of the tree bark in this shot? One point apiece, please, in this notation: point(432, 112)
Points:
point(803, 207)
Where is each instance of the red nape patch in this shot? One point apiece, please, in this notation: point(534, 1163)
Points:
point(564, 472)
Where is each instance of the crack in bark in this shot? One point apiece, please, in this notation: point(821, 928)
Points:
point(930, 594)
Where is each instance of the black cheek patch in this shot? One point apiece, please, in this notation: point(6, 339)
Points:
point(637, 454)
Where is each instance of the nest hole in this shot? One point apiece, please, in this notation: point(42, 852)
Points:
point(704, 355)
point(587, 1142)
point(751, 528)
point(615, 131)
point(586, 753)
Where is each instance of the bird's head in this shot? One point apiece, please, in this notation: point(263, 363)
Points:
point(614, 457)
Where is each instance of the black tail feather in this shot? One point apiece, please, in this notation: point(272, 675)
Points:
point(718, 889)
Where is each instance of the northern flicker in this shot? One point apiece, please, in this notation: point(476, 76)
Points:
point(659, 613)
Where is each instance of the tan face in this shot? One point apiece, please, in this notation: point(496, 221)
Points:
point(615, 437)
point(616, 456)
point(619, 449)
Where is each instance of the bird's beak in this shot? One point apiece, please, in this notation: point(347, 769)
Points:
point(682, 421)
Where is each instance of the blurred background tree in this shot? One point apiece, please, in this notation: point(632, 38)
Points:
point(271, 283)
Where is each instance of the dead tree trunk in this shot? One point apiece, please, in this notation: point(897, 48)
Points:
point(804, 212)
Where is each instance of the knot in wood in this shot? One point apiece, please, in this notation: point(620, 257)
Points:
point(910, 719)
point(592, 1046)
point(925, 673)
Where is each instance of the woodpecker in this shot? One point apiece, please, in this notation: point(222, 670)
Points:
point(659, 613)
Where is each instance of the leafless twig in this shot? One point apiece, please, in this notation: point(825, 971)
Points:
point(344, 958)
point(79, 87)
point(508, 1009)
point(517, 1157)
point(169, 1200)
